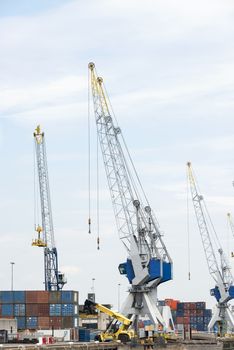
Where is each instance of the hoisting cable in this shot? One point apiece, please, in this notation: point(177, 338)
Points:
point(89, 170)
point(98, 216)
point(188, 230)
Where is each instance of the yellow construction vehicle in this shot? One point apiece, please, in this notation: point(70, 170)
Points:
point(118, 328)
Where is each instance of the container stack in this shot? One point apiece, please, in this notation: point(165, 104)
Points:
point(192, 315)
point(40, 309)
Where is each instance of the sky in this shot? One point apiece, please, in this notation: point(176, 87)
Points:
point(168, 67)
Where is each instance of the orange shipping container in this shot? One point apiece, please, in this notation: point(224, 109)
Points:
point(172, 303)
point(43, 322)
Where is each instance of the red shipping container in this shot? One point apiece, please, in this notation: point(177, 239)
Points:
point(43, 322)
point(192, 306)
point(67, 322)
point(31, 309)
point(43, 310)
point(43, 297)
point(186, 320)
point(179, 320)
point(56, 322)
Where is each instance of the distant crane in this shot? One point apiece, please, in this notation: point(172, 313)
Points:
point(149, 263)
point(54, 280)
point(220, 272)
point(231, 224)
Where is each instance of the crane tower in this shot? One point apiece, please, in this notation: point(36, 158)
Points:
point(149, 263)
point(54, 280)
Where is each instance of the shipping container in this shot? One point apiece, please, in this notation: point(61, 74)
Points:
point(21, 322)
point(19, 297)
point(200, 305)
point(180, 306)
point(55, 297)
point(67, 309)
point(31, 296)
point(171, 303)
point(19, 309)
point(208, 313)
point(55, 310)
point(56, 322)
point(31, 309)
point(43, 322)
point(84, 335)
point(31, 322)
point(67, 322)
point(6, 297)
point(43, 297)
point(7, 310)
point(67, 296)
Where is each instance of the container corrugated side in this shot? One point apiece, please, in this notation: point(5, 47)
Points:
point(7, 310)
point(19, 309)
point(55, 297)
point(56, 322)
point(6, 296)
point(32, 322)
point(55, 310)
point(67, 322)
point(31, 309)
point(19, 297)
point(43, 322)
point(21, 322)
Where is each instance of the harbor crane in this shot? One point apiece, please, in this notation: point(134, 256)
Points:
point(220, 271)
point(148, 263)
point(54, 280)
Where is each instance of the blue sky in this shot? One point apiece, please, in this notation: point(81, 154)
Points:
point(169, 72)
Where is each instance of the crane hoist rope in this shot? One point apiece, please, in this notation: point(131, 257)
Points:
point(54, 280)
point(149, 263)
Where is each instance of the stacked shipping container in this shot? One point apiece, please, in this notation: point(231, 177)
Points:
point(40, 309)
point(193, 315)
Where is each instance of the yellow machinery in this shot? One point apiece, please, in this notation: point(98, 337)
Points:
point(119, 327)
point(38, 242)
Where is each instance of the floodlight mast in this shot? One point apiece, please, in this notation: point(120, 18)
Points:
point(148, 263)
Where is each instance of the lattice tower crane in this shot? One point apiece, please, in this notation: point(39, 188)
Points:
point(54, 280)
point(149, 263)
point(220, 272)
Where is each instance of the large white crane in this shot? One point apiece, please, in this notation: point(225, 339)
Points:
point(149, 263)
point(220, 271)
point(54, 280)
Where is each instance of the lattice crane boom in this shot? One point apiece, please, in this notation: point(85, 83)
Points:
point(54, 280)
point(132, 218)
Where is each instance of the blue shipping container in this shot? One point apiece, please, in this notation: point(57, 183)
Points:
point(208, 312)
point(67, 296)
point(67, 309)
point(7, 309)
point(19, 297)
point(84, 334)
point(180, 313)
point(55, 309)
point(6, 297)
point(21, 322)
point(19, 309)
point(180, 306)
point(31, 322)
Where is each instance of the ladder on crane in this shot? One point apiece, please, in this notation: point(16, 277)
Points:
point(54, 280)
point(149, 263)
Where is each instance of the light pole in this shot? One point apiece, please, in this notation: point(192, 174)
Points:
point(12, 280)
point(119, 296)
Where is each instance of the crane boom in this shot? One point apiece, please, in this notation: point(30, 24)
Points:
point(149, 262)
point(54, 280)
